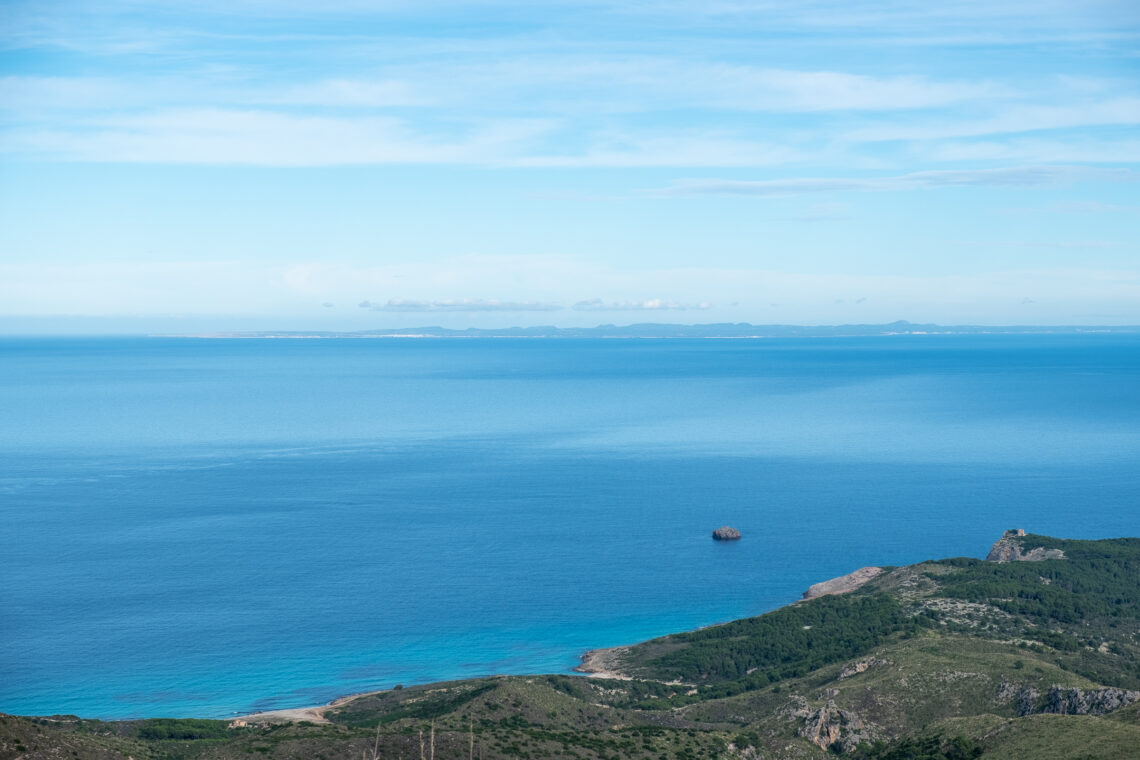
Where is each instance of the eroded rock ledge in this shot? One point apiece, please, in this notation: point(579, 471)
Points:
point(843, 583)
point(1061, 700)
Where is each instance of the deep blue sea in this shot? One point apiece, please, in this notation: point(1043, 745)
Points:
point(195, 527)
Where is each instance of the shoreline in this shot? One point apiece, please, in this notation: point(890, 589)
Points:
point(596, 663)
point(313, 714)
point(604, 662)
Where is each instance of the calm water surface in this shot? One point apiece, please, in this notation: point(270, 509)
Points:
point(205, 527)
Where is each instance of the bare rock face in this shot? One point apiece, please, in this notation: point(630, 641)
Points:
point(833, 727)
point(843, 583)
point(1004, 550)
point(862, 666)
point(725, 533)
point(1010, 548)
point(1039, 553)
point(1061, 700)
point(1024, 697)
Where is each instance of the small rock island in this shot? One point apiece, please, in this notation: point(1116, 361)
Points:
point(725, 533)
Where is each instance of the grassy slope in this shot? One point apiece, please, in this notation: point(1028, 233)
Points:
point(948, 647)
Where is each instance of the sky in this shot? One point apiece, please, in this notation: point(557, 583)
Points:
point(360, 164)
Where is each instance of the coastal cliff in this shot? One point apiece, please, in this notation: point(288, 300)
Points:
point(843, 584)
point(1011, 548)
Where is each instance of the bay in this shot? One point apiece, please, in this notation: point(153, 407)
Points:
point(197, 527)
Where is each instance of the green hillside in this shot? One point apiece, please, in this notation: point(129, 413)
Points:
point(955, 659)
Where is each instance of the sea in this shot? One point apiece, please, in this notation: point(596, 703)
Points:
point(209, 527)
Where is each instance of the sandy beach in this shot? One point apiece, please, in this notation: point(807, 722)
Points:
point(596, 663)
point(603, 663)
point(296, 714)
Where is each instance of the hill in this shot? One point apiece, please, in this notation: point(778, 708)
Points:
point(1032, 654)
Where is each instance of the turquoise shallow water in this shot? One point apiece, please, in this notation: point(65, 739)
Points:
point(206, 527)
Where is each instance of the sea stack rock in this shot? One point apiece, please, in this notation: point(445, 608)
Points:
point(725, 533)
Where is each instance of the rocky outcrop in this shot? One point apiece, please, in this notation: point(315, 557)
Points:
point(1011, 548)
point(1004, 550)
point(604, 663)
point(829, 727)
point(843, 583)
point(725, 533)
point(1062, 700)
point(1023, 697)
point(862, 666)
point(1039, 553)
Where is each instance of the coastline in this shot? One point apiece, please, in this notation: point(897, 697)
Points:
point(596, 663)
point(798, 697)
point(605, 662)
point(313, 714)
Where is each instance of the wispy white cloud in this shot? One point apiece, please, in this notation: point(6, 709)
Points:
point(222, 136)
point(577, 101)
point(346, 92)
point(808, 97)
point(264, 138)
point(34, 93)
point(1093, 207)
point(459, 305)
point(1024, 176)
point(1020, 118)
point(1077, 148)
point(689, 148)
point(596, 81)
point(579, 83)
point(396, 121)
point(822, 212)
point(101, 96)
point(651, 304)
point(749, 88)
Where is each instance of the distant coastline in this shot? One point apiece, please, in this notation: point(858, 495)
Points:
point(721, 330)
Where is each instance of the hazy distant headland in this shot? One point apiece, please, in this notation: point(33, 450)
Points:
point(715, 330)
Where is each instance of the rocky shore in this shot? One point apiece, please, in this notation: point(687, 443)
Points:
point(603, 663)
point(844, 583)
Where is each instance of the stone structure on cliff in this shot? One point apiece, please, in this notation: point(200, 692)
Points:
point(725, 533)
point(1011, 548)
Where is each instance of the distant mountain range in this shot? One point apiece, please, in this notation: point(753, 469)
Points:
point(717, 330)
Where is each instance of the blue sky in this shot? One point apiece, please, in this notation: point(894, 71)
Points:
point(247, 164)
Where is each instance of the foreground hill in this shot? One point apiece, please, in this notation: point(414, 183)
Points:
point(1032, 654)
